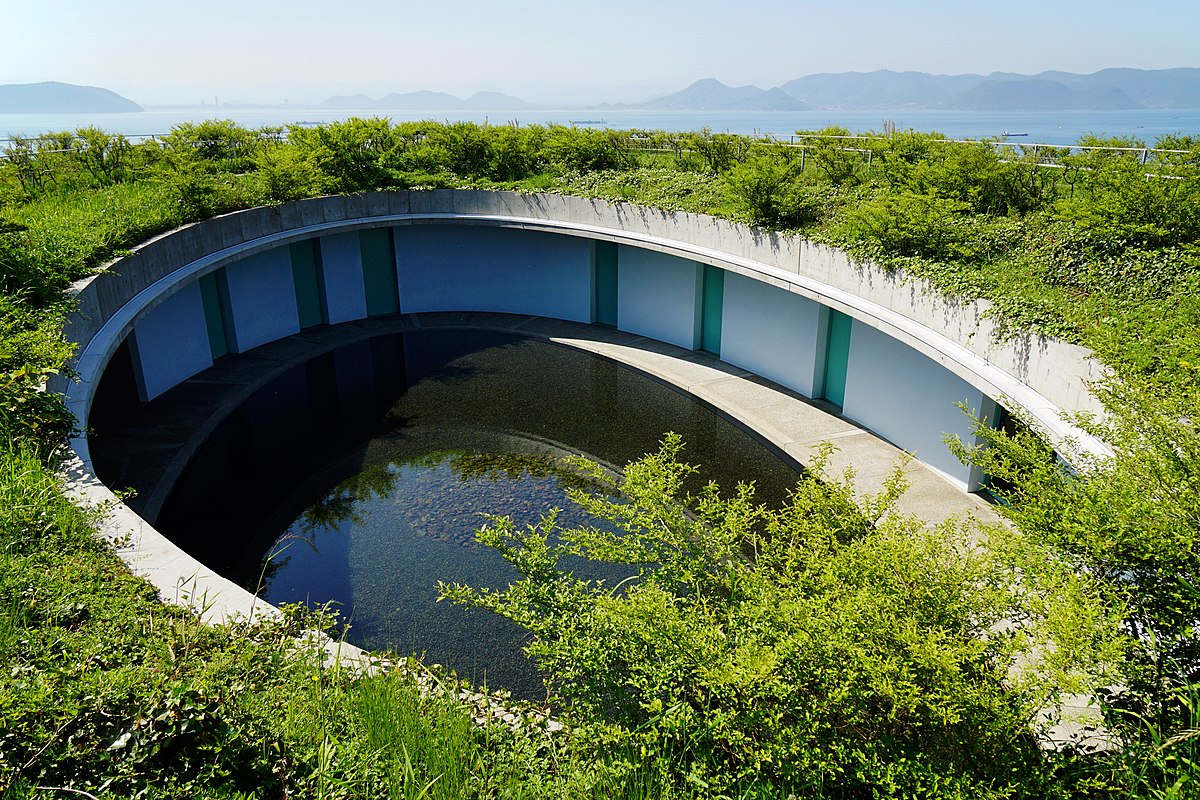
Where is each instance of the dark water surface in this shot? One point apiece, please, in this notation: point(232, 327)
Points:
point(359, 477)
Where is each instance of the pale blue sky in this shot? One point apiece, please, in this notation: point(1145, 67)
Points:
point(158, 51)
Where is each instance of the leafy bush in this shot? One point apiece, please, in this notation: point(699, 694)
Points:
point(833, 156)
point(586, 150)
point(989, 179)
point(1131, 520)
point(770, 187)
point(1121, 204)
point(909, 224)
point(218, 144)
point(717, 152)
point(831, 643)
point(285, 173)
point(353, 155)
point(516, 152)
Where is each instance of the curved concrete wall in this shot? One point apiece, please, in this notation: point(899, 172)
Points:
point(898, 362)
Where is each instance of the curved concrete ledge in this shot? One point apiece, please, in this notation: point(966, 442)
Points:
point(1043, 376)
point(765, 304)
point(792, 424)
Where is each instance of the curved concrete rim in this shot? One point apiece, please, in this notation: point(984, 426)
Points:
point(183, 580)
point(958, 359)
point(749, 400)
point(96, 352)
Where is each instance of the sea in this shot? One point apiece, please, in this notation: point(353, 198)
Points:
point(1144, 126)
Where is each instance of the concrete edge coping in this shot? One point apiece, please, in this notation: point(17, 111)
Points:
point(182, 580)
point(960, 360)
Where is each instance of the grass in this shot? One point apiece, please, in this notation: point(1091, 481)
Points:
point(105, 690)
point(108, 691)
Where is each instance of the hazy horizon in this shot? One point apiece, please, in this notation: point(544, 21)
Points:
point(299, 52)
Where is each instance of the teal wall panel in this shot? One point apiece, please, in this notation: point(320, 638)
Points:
point(309, 284)
point(837, 357)
point(712, 307)
point(379, 271)
point(605, 305)
point(218, 318)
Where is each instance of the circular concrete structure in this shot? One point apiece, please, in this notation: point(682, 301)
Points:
point(752, 322)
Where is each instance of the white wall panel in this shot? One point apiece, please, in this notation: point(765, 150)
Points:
point(658, 296)
point(772, 332)
point(909, 399)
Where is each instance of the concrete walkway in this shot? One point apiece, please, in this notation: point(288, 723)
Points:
point(793, 424)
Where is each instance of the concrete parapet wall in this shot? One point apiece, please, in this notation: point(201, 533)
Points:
point(1041, 375)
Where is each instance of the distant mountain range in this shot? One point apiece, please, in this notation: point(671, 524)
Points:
point(883, 90)
point(427, 101)
point(61, 98)
point(710, 94)
point(1001, 91)
point(1109, 89)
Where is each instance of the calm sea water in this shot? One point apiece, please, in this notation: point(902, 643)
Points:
point(1049, 127)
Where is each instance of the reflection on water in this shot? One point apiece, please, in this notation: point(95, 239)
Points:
point(359, 477)
point(403, 522)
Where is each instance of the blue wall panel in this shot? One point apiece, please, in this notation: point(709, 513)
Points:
point(468, 268)
point(170, 344)
point(345, 297)
point(262, 298)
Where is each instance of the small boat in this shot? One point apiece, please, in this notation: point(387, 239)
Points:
point(1009, 134)
point(588, 122)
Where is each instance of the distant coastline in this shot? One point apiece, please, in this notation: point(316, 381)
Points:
point(1044, 127)
point(882, 90)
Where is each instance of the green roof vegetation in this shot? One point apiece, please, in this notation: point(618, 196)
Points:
point(831, 649)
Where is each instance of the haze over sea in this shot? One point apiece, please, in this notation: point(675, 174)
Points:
point(1048, 127)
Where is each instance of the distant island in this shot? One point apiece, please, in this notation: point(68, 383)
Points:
point(710, 94)
point(52, 97)
point(1107, 90)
